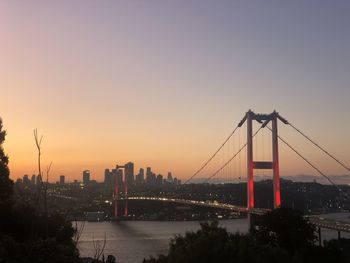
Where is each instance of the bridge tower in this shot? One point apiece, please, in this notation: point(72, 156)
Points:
point(264, 119)
point(116, 196)
point(117, 191)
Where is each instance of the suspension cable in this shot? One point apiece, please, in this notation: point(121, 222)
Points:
point(222, 167)
point(319, 147)
point(308, 162)
point(211, 158)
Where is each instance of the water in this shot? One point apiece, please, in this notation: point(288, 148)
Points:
point(327, 234)
point(132, 241)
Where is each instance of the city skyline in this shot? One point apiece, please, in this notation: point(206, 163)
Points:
point(163, 84)
point(85, 176)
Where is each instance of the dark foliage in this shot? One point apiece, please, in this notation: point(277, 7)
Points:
point(6, 184)
point(25, 234)
point(214, 244)
point(39, 250)
point(286, 228)
point(282, 236)
point(111, 259)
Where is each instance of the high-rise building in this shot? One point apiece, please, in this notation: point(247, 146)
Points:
point(119, 177)
point(159, 179)
point(26, 180)
point(86, 176)
point(39, 179)
point(148, 175)
point(140, 177)
point(148, 171)
point(108, 181)
point(19, 181)
point(151, 178)
point(129, 173)
point(142, 174)
point(33, 179)
point(170, 177)
point(62, 179)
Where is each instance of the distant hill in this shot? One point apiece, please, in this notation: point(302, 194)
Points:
point(337, 179)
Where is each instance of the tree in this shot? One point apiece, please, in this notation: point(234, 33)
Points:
point(286, 228)
point(212, 244)
point(283, 235)
point(5, 182)
point(206, 245)
point(25, 234)
point(111, 259)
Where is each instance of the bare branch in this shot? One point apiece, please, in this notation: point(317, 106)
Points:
point(40, 185)
point(79, 231)
point(99, 247)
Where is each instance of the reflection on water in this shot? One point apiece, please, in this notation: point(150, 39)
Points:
point(132, 241)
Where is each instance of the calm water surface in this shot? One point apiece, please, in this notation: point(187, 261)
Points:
point(132, 241)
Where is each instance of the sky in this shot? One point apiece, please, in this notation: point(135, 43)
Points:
point(162, 83)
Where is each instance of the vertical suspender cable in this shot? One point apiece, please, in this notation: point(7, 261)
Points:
point(211, 158)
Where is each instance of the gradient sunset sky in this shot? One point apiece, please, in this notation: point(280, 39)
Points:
point(162, 83)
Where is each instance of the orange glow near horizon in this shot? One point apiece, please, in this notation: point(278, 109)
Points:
point(162, 85)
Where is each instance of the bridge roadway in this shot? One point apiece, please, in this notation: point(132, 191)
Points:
point(211, 204)
point(330, 223)
point(319, 222)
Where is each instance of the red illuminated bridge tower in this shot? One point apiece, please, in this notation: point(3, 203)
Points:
point(118, 185)
point(251, 164)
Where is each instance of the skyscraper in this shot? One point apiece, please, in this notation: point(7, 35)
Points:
point(129, 173)
point(33, 179)
point(108, 181)
point(119, 177)
point(39, 179)
point(149, 175)
point(114, 174)
point(142, 174)
point(159, 179)
point(62, 179)
point(170, 177)
point(26, 180)
point(140, 177)
point(86, 176)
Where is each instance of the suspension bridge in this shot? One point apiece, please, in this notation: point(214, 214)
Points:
point(247, 151)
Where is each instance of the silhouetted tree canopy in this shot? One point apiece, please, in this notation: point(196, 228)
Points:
point(286, 228)
point(213, 243)
point(281, 236)
point(6, 183)
point(23, 234)
point(111, 259)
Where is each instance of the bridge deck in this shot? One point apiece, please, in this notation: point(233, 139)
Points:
point(330, 224)
point(211, 204)
point(317, 221)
